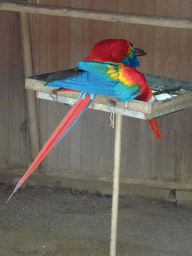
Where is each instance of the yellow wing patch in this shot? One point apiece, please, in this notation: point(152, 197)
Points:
point(119, 72)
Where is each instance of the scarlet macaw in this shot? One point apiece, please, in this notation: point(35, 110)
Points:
point(113, 50)
point(108, 75)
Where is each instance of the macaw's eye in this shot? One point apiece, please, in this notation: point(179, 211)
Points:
point(131, 44)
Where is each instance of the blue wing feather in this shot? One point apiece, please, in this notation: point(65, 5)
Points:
point(96, 80)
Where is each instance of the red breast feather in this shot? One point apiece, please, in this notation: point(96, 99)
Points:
point(135, 77)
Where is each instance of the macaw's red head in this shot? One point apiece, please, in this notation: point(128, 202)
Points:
point(115, 50)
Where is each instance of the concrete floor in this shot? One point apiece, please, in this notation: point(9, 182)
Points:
point(55, 221)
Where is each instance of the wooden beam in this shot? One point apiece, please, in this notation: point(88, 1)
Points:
point(98, 15)
point(30, 95)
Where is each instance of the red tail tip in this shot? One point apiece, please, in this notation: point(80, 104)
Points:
point(155, 128)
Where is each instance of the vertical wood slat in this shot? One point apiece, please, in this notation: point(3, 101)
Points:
point(127, 152)
point(172, 8)
point(4, 88)
point(133, 161)
point(161, 8)
point(63, 59)
point(64, 44)
point(76, 53)
point(156, 157)
point(34, 25)
point(109, 135)
point(64, 144)
point(34, 37)
point(166, 52)
point(13, 112)
point(30, 96)
point(147, 62)
point(185, 55)
point(167, 156)
point(43, 113)
point(52, 118)
point(125, 6)
point(177, 148)
point(43, 68)
point(185, 145)
point(25, 151)
point(17, 107)
point(14, 101)
point(125, 163)
point(137, 6)
point(98, 142)
point(185, 9)
point(87, 142)
point(103, 5)
point(189, 170)
point(146, 145)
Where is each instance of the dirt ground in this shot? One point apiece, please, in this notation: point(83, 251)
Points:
point(56, 221)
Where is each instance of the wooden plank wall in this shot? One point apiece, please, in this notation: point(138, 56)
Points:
point(13, 126)
point(59, 43)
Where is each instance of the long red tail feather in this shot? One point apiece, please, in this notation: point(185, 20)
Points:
point(63, 126)
point(155, 128)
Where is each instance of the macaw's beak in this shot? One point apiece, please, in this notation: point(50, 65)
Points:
point(139, 52)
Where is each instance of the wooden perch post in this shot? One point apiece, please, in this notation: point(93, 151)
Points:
point(30, 95)
point(116, 174)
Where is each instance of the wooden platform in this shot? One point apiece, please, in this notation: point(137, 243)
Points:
point(133, 108)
